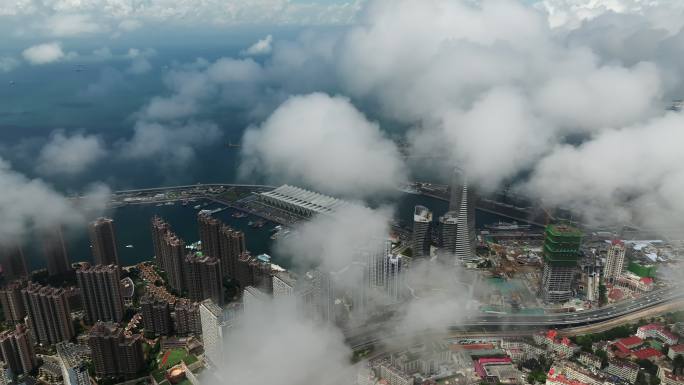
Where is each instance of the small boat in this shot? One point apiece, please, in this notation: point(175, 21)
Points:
point(170, 203)
point(239, 214)
point(197, 207)
point(160, 204)
point(129, 246)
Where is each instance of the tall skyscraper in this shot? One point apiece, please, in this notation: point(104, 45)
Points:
point(115, 353)
point(156, 316)
point(422, 219)
point(17, 350)
point(101, 292)
point(56, 253)
point(186, 318)
point(255, 271)
point(209, 229)
point(49, 313)
point(173, 255)
point(395, 276)
point(447, 232)
point(203, 278)
point(561, 254)
point(13, 262)
point(375, 262)
point(12, 302)
point(462, 201)
point(232, 245)
point(103, 241)
point(222, 242)
point(324, 292)
point(215, 325)
point(615, 261)
point(159, 230)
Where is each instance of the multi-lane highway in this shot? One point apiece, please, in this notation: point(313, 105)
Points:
point(371, 334)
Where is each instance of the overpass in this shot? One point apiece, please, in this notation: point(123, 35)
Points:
point(501, 325)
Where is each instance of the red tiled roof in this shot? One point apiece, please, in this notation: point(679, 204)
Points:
point(622, 348)
point(631, 341)
point(647, 280)
point(677, 348)
point(651, 327)
point(647, 353)
point(564, 380)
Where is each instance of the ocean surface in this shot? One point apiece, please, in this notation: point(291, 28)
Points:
point(100, 97)
point(133, 228)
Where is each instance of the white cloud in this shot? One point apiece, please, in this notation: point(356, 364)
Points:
point(70, 25)
point(631, 175)
point(570, 14)
point(44, 53)
point(129, 25)
point(331, 241)
point(126, 14)
point(326, 143)
point(261, 47)
point(172, 145)
point(29, 204)
point(276, 343)
point(69, 155)
point(8, 63)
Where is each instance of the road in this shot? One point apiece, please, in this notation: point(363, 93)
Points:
point(506, 324)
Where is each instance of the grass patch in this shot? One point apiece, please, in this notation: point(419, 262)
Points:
point(169, 358)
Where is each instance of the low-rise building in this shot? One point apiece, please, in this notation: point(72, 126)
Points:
point(675, 350)
point(667, 377)
point(590, 360)
point(658, 332)
point(623, 369)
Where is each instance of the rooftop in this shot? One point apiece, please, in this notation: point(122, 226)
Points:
point(306, 199)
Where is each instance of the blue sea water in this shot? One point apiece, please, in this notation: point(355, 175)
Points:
point(100, 97)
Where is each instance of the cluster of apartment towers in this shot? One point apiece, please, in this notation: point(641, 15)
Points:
point(42, 314)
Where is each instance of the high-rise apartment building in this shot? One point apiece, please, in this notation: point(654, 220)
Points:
point(72, 362)
point(462, 202)
point(561, 254)
point(215, 325)
point(186, 318)
point(203, 278)
point(49, 313)
point(101, 292)
point(56, 254)
point(159, 230)
point(115, 353)
point(221, 241)
point(232, 245)
point(13, 262)
point(420, 244)
point(615, 261)
point(209, 232)
point(173, 254)
point(255, 271)
point(12, 302)
point(447, 233)
point(395, 276)
point(156, 315)
point(283, 284)
point(103, 241)
point(17, 350)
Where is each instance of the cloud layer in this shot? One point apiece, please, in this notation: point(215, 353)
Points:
point(31, 204)
point(43, 53)
point(68, 155)
point(326, 143)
